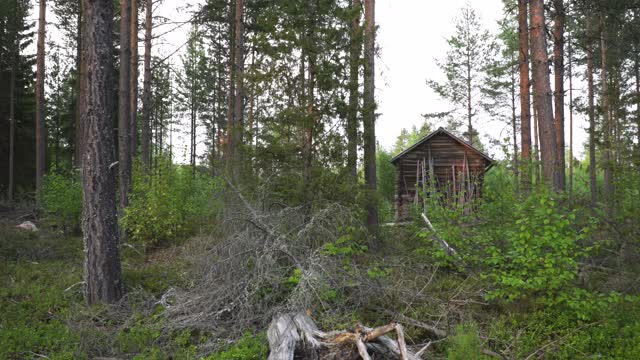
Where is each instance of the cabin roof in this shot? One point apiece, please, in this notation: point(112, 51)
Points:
point(445, 132)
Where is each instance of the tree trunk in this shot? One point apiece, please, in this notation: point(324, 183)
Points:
point(570, 70)
point(124, 104)
point(102, 270)
point(558, 72)
point(606, 121)
point(146, 91)
point(369, 117)
point(238, 103)
point(542, 94)
point(536, 147)
point(230, 148)
point(355, 51)
point(469, 108)
point(193, 130)
point(308, 131)
point(592, 127)
point(636, 70)
point(41, 135)
point(525, 97)
point(133, 87)
point(515, 129)
point(12, 122)
point(77, 151)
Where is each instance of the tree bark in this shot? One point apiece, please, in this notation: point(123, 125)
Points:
point(525, 96)
point(542, 94)
point(536, 142)
point(133, 87)
point(514, 125)
point(607, 161)
point(230, 147)
point(41, 135)
point(355, 51)
point(368, 117)
point(592, 127)
point(570, 70)
point(124, 104)
point(102, 270)
point(238, 104)
point(146, 91)
point(558, 72)
point(12, 122)
point(77, 151)
point(469, 107)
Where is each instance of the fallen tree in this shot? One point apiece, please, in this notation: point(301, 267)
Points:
point(296, 336)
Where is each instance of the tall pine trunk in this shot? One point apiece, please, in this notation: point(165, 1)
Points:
point(355, 51)
point(12, 122)
point(41, 135)
point(133, 87)
point(230, 147)
point(102, 272)
point(592, 127)
point(146, 87)
point(368, 117)
point(570, 73)
point(514, 125)
point(77, 150)
point(607, 160)
point(558, 73)
point(310, 121)
point(238, 103)
point(536, 142)
point(525, 96)
point(542, 94)
point(124, 104)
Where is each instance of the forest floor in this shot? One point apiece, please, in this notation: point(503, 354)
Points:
point(43, 314)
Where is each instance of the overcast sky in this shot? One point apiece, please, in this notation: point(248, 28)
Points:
point(411, 35)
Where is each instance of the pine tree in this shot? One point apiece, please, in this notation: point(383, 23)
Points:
point(464, 65)
point(124, 104)
point(542, 94)
point(41, 134)
point(525, 97)
point(369, 117)
point(103, 280)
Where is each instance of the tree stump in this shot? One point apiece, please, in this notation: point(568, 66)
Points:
point(296, 336)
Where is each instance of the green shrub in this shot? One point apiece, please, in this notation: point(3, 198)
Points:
point(465, 344)
point(170, 204)
point(249, 347)
point(540, 254)
point(61, 199)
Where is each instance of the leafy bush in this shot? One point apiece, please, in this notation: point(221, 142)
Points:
point(170, 204)
point(249, 347)
point(465, 344)
point(61, 198)
point(541, 252)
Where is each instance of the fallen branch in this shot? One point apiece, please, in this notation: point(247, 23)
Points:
point(443, 243)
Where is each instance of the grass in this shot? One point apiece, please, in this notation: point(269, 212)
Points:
point(42, 310)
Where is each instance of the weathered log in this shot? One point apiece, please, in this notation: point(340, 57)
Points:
point(295, 336)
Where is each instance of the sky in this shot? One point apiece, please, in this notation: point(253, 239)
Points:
point(411, 36)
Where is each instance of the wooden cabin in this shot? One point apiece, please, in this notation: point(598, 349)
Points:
point(439, 162)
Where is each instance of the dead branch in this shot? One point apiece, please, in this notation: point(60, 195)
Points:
point(296, 336)
point(443, 243)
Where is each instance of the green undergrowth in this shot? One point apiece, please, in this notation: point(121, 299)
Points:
point(43, 314)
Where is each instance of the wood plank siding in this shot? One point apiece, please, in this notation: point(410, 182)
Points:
point(442, 162)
